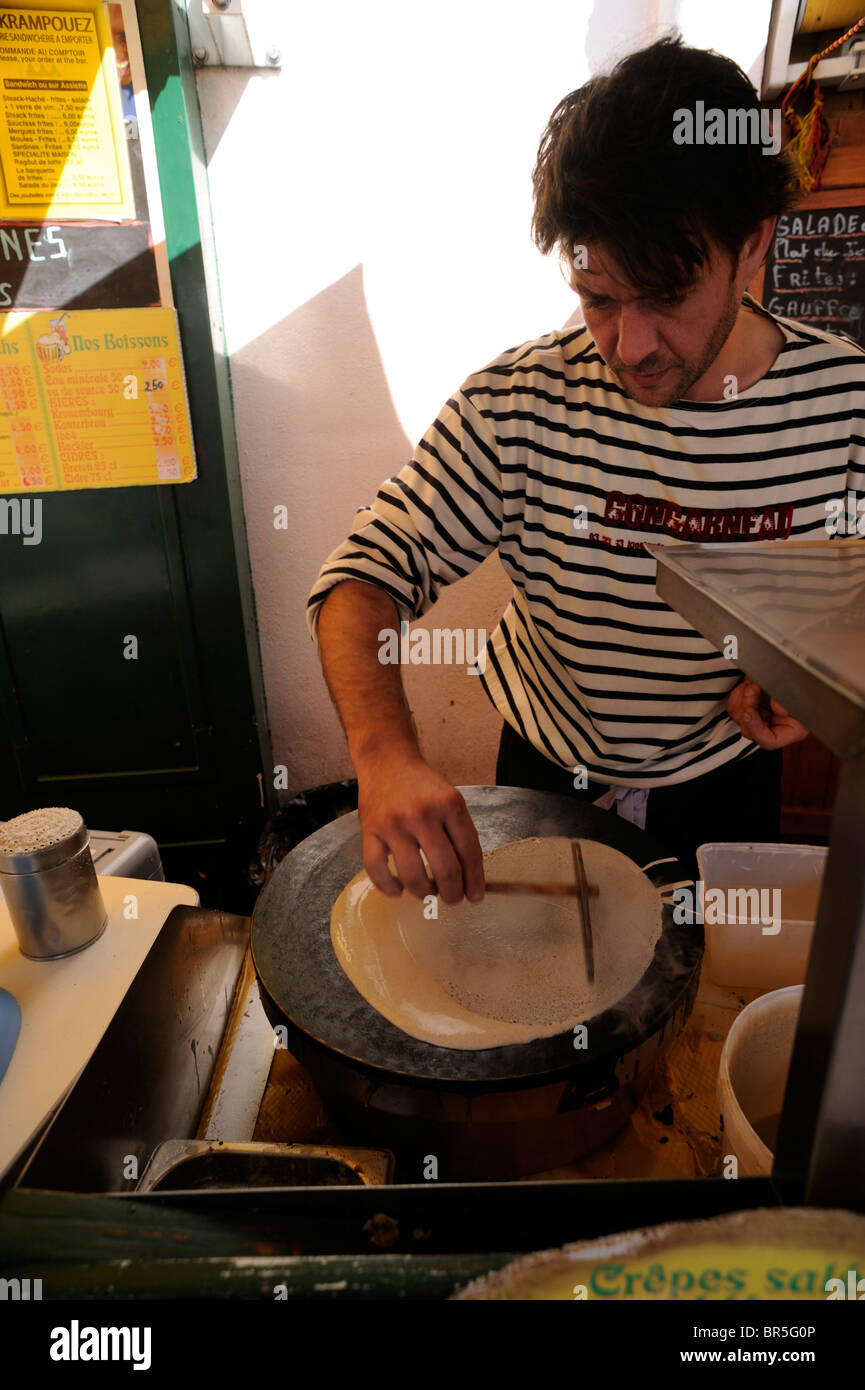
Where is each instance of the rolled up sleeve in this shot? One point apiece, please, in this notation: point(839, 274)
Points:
point(429, 525)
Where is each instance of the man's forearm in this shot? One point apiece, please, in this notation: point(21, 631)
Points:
point(417, 832)
point(367, 693)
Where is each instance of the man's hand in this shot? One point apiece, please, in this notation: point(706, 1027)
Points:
point(761, 718)
point(405, 806)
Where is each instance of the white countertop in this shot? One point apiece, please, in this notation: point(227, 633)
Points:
point(66, 1005)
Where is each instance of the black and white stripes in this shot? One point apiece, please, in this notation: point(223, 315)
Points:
point(543, 455)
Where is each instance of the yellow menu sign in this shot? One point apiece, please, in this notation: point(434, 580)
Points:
point(92, 398)
point(62, 139)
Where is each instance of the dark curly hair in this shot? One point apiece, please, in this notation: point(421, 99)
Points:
point(608, 170)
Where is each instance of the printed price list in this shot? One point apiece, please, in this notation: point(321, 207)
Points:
point(92, 398)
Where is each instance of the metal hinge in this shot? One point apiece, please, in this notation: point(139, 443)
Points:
point(231, 34)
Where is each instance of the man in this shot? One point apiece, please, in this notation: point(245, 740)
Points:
point(681, 412)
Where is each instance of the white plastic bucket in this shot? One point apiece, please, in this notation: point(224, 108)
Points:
point(752, 1077)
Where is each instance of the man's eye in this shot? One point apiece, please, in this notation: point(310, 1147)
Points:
point(597, 303)
point(670, 302)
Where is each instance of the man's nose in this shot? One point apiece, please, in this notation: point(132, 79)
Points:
point(637, 336)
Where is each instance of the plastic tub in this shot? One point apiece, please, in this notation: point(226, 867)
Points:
point(752, 1077)
point(760, 954)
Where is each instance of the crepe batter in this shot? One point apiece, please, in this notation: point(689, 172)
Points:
point(510, 968)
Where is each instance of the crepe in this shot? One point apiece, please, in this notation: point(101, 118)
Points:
point(510, 968)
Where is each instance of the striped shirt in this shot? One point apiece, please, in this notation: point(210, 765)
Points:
point(542, 456)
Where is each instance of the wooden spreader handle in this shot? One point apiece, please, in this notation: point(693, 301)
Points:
point(553, 890)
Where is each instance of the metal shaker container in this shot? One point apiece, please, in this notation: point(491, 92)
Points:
point(49, 882)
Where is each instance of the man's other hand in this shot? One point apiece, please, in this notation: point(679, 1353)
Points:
point(405, 806)
point(761, 718)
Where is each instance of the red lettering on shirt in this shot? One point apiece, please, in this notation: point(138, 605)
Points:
point(635, 512)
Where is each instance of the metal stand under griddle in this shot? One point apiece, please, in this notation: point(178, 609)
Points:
point(782, 600)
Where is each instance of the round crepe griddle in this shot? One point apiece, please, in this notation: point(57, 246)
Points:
point(303, 983)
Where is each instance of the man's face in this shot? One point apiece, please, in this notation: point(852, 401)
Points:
point(655, 346)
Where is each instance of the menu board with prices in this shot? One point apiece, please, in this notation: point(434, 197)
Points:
point(814, 273)
point(62, 141)
point(92, 398)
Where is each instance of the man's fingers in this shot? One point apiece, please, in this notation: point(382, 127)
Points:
point(444, 863)
point(422, 822)
point(750, 694)
point(409, 865)
point(744, 705)
point(375, 861)
point(751, 722)
point(755, 727)
point(761, 718)
point(410, 874)
point(464, 837)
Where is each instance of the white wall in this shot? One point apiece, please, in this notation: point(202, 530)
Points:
point(371, 204)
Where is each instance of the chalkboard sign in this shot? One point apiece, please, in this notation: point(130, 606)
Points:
point(77, 265)
point(815, 272)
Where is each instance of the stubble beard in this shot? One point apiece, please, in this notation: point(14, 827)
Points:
point(688, 373)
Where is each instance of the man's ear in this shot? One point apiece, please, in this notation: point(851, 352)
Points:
point(759, 244)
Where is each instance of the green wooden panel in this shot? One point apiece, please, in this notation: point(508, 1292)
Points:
point(101, 575)
point(97, 1247)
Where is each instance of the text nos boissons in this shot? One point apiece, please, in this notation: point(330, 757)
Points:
point(115, 341)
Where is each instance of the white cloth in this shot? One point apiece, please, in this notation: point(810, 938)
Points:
point(631, 803)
